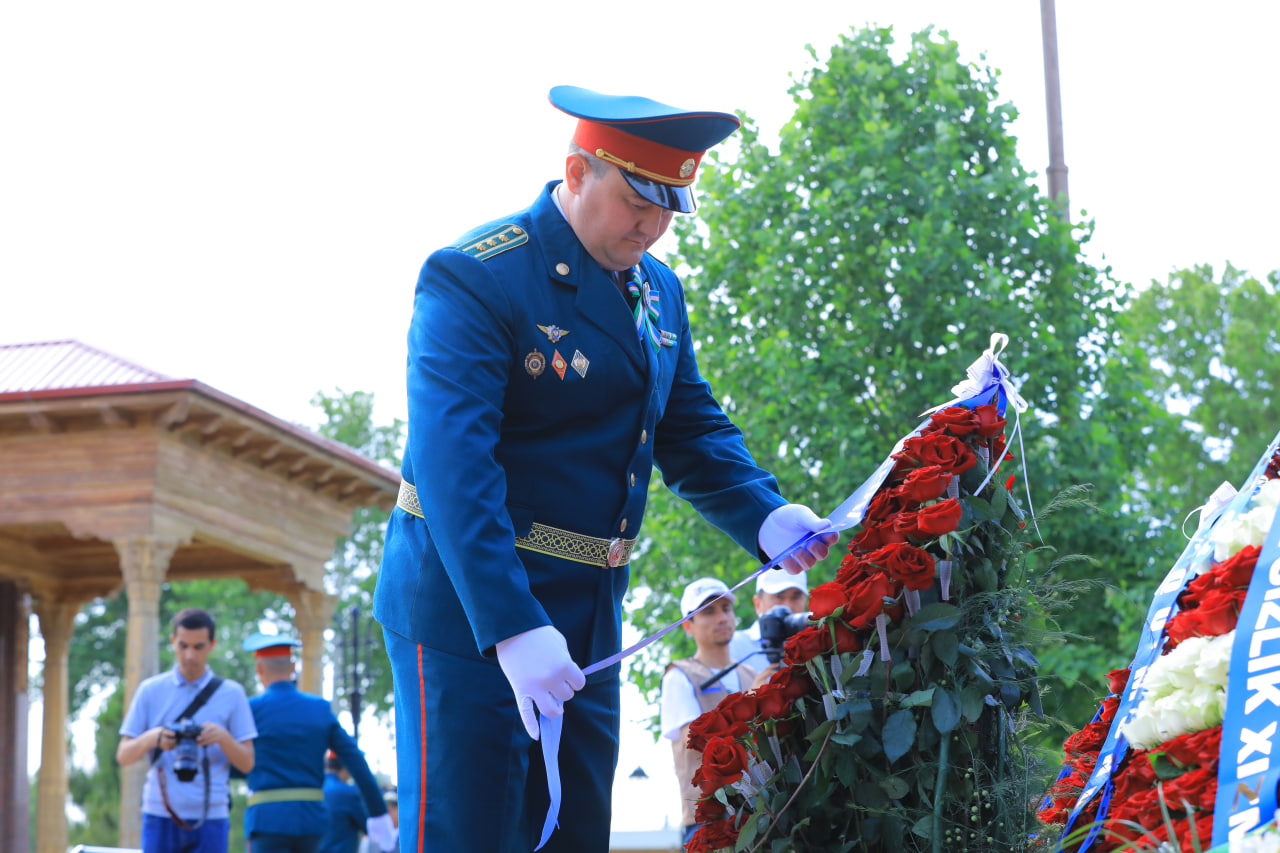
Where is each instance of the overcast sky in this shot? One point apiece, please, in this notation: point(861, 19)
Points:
point(243, 193)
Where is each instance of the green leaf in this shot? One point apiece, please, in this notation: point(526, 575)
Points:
point(923, 827)
point(946, 646)
point(894, 787)
point(946, 710)
point(899, 733)
point(935, 617)
point(919, 698)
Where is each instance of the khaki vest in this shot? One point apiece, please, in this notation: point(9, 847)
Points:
point(688, 761)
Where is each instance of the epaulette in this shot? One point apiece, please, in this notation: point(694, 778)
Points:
point(495, 242)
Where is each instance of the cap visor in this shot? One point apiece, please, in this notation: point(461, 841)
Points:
point(679, 199)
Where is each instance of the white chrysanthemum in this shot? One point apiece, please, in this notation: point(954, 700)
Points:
point(1186, 691)
point(1248, 528)
point(1266, 841)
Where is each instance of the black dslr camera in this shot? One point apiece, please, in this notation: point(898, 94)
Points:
point(776, 625)
point(186, 753)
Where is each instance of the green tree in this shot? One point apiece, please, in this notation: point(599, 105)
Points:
point(1211, 348)
point(353, 569)
point(841, 286)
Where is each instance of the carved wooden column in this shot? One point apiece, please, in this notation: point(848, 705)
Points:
point(57, 617)
point(314, 610)
point(14, 788)
point(144, 560)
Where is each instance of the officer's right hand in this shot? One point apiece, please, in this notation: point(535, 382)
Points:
point(542, 675)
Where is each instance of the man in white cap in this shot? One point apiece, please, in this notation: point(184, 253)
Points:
point(773, 587)
point(690, 687)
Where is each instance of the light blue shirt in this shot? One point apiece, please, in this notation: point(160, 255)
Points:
point(158, 701)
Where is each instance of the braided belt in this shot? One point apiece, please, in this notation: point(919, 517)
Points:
point(552, 541)
point(286, 795)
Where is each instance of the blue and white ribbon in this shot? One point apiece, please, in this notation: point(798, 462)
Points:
point(646, 310)
point(1248, 760)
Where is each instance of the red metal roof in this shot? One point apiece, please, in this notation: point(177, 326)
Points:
point(49, 365)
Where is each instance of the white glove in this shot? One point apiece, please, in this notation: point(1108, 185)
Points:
point(786, 526)
point(541, 673)
point(382, 832)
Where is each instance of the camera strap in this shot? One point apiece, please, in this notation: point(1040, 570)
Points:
point(196, 704)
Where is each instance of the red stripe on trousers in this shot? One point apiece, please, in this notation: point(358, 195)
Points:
point(422, 751)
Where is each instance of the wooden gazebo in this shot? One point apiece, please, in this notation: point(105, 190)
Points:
point(116, 477)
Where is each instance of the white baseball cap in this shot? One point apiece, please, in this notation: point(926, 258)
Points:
point(697, 593)
point(775, 581)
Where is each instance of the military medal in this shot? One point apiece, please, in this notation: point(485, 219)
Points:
point(580, 363)
point(534, 363)
point(558, 363)
point(553, 332)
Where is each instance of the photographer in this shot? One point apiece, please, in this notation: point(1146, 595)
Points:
point(773, 588)
point(192, 727)
point(690, 687)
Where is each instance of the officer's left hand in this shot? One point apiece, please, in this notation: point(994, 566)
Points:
point(786, 526)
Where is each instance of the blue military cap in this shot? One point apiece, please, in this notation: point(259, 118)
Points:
point(658, 147)
point(269, 645)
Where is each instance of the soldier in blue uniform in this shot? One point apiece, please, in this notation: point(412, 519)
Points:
point(551, 367)
point(286, 812)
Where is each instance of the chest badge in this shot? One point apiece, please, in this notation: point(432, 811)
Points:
point(558, 363)
point(580, 363)
point(553, 332)
point(534, 363)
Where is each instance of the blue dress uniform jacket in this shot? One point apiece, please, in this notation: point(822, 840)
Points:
point(493, 447)
point(347, 816)
point(533, 399)
point(295, 730)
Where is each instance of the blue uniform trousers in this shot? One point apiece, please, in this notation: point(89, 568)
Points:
point(162, 835)
point(279, 842)
point(471, 778)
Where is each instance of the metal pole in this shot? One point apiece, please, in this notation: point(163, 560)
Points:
point(1053, 109)
point(354, 693)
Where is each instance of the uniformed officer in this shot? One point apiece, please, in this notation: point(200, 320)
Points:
point(551, 366)
point(286, 812)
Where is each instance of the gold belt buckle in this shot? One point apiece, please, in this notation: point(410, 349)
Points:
point(618, 552)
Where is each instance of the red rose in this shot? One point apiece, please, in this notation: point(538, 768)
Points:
point(723, 763)
point(1217, 614)
point(989, 421)
point(708, 809)
point(1196, 748)
point(847, 640)
point(874, 537)
point(738, 707)
point(1109, 707)
point(853, 568)
point(923, 484)
point(711, 724)
point(1117, 680)
point(866, 600)
point(713, 836)
point(956, 420)
point(1087, 741)
point(792, 681)
point(1237, 571)
point(825, 599)
point(806, 644)
point(944, 451)
point(772, 702)
point(913, 566)
point(937, 519)
point(882, 507)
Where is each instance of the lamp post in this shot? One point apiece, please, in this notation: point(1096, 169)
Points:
point(1053, 109)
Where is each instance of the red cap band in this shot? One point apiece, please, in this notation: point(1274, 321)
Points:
point(651, 160)
point(274, 652)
